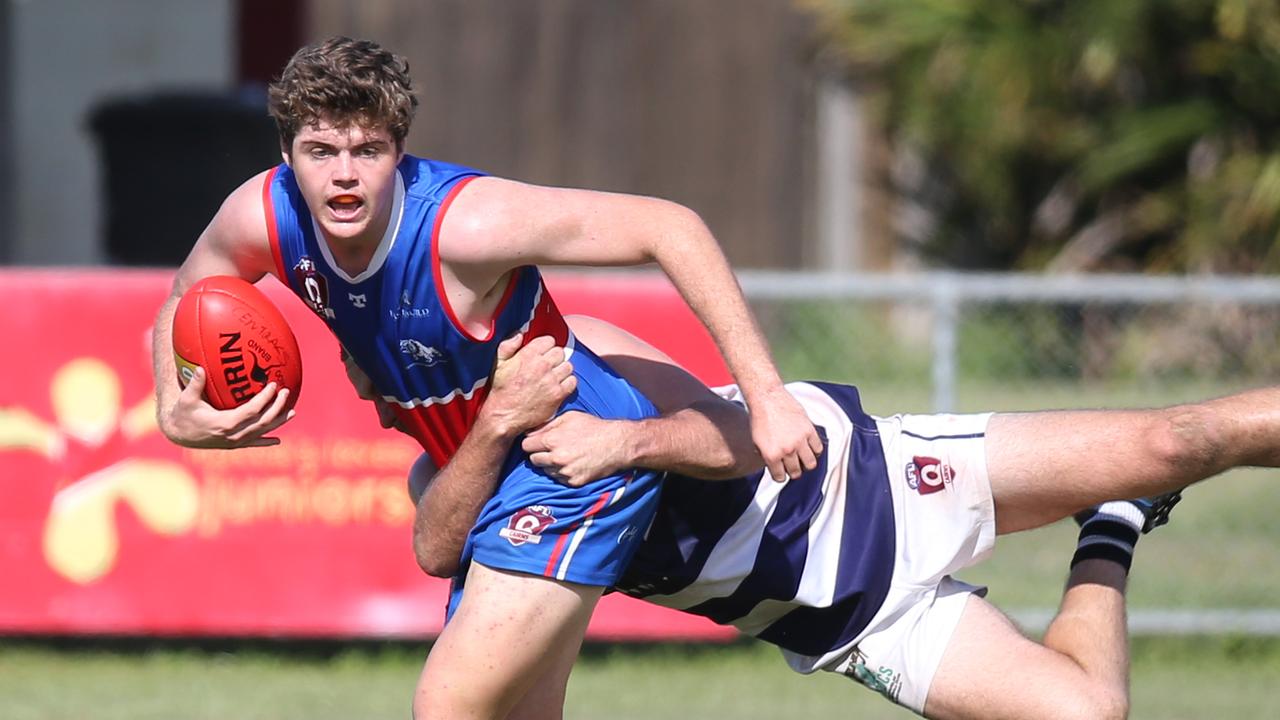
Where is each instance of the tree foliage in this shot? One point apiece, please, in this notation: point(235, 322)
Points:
point(1078, 134)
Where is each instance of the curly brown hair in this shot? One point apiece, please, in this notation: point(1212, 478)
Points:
point(344, 81)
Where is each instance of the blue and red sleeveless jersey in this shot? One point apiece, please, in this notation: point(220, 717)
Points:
point(396, 322)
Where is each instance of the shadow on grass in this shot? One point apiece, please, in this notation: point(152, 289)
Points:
point(1182, 649)
point(323, 649)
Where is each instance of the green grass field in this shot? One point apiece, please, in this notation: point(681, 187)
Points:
point(1172, 680)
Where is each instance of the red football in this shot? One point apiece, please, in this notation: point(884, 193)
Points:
point(228, 327)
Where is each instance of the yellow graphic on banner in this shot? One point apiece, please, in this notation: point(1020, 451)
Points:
point(80, 536)
point(324, 483)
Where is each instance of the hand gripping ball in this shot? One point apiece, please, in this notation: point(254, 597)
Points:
point(228, 327)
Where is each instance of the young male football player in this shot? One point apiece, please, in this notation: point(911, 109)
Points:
point(420, 268)
point(848, 567)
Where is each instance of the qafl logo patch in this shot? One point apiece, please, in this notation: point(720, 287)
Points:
point(315, 285)
point(928, 475)
point(526, 526)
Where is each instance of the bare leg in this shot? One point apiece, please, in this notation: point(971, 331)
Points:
point(545, 700)
point(1091, 629)
point(1045, 466)
point(1081, 672)
point(508, 630)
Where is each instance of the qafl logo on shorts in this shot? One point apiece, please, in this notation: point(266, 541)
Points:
point(526, 526)
point(928, 475)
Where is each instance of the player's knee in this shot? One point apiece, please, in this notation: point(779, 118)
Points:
point(426, 708)
point(1098, 702)
point(432, 701)
point(1187, 440)
point(1109, 704)
point(423, 707)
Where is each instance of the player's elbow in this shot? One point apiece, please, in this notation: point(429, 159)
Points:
point(680, 226)
point(734, 455)
point(436, 568)
point(684, 217)
point(720, 463)
point(742, 466)
point(432, 559)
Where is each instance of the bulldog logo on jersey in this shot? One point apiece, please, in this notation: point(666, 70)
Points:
point(526, 526)
point(928, 475)
point(421, 355)
point(315, 285)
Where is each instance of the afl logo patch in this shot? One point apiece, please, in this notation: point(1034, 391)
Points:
point(526, 526)
point(928, 475)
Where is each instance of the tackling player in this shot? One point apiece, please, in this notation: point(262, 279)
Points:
point(848, 567)
point(420, 268)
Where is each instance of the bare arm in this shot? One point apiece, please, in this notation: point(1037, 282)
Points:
point(527, 389)
point(365, 390)
point(703, 441)
point(703, 434)
point(235, 243)
point(497, 225)
point(699, 435)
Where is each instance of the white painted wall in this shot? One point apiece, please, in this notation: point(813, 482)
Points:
point(69, 55)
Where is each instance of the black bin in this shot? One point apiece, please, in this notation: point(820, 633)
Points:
point(169, 160)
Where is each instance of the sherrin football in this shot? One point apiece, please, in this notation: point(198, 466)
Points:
point(228, 327)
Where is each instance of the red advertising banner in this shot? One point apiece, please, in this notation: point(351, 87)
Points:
point(106, 527)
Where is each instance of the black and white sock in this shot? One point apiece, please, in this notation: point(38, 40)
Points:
point(1110, 534)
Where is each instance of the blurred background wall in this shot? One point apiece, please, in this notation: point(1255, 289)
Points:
point(708, 103)
point(720, 104)
point(62, 57)
point(814, 134)
point(6, 126)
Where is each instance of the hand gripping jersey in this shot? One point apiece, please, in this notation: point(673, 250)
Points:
point(803, 564)
point(396, 322)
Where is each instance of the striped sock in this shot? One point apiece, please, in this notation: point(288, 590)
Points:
point(1110, 534)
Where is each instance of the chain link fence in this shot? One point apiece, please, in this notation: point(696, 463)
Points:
point(937, 342)
point(940, 342)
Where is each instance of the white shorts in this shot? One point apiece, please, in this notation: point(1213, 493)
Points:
point(944, 522)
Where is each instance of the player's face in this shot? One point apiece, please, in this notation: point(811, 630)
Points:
point(347, 176)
